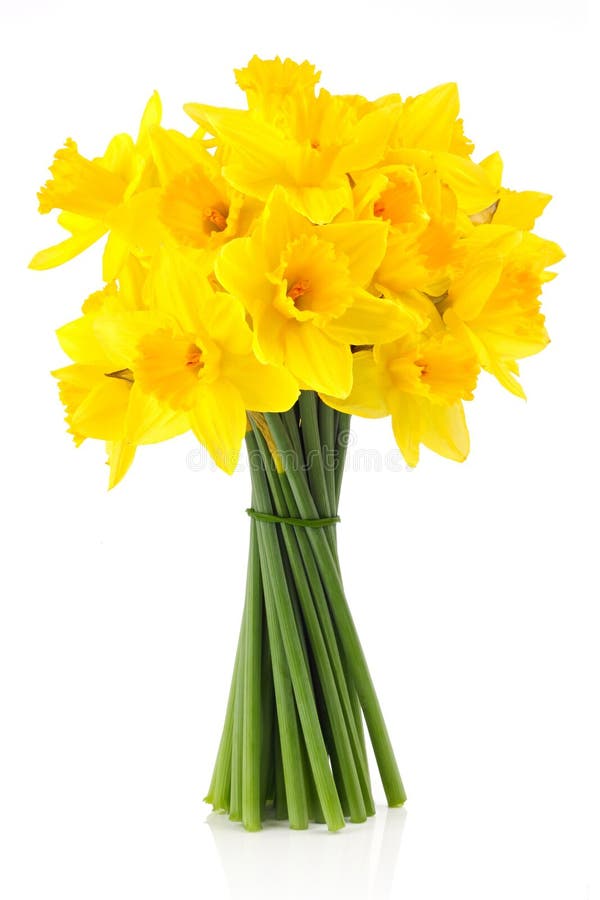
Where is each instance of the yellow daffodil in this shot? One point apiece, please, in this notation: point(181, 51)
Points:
point(98, 391)
point(493, 303)
point(117, 192)
point(198, 358)
point(304, 287)
point(199, 209)
point(312, 241)
point(422, 217)
point(421, 382)
point(308, 145)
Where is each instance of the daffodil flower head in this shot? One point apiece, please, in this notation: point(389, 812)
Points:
point(311, 241)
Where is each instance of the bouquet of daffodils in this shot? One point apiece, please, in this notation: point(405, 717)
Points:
point(267, 276)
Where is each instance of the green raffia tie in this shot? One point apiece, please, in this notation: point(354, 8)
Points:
point(290, 520)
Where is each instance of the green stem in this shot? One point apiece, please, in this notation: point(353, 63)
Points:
point(300, 676)
point(327, 430)
point(251, 701)
point(218, 793)
point(237, 761)
point(273, 581)
point(267, 718)
point(313, 453)
point(303, 551)
point(280, 800)
point(332, 583)
point(342, 440)
point(341, 739)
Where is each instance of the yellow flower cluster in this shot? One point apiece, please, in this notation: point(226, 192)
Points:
point(310, 242)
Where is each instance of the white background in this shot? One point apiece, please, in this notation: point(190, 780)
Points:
point(474, 587)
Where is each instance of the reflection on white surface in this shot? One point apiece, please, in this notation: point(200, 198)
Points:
point(359, 861)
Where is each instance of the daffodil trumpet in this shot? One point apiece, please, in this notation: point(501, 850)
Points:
point(279, 269)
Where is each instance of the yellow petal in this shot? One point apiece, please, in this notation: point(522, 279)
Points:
point(503, 370)
point(320, 204)
point(137, 223)
point(407, 423)
point(470, 291)
point(120, 457)
point(260, 150)
point(264, 388)
point(80, 342)
point(178, 288)
point(445, 431)
point(174, 153)
point(493, 165)
point(73, 246)
point(366, 398)
point(224, 319)
point(369, 139)
point(240, 268)
point(74, 223)
point(318, 362)
point(148, 421)
point(470, 183)
point(520, 208)
point(428, 119)
point(102, 413)
point(281, 224)
point(371, 320)
point(269, 337)
point(364, 243)
point(119, 335)
point(119, 157)
point(150, 119)
point(115, 256)
point(219, 422)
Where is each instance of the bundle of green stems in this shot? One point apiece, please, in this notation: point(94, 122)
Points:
point(293, 743)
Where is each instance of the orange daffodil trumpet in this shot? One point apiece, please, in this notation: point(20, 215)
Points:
point(311, 242)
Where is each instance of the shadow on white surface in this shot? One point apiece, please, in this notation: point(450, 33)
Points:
point(359, 861)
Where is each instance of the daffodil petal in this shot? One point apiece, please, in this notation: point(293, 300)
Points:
point(174, 153)
point(371, 320)
point(218, 420)
point(263, 387)
point(428, 119)
point(225, 321)
point(320, 204)
point(260, 149)
point(520, 208)
point(102, 413)
point(470, 291)
point(80, 342)
point(407, 424)
point(445, 431)
point(148, 421)
point(473, 187)
point(66, 250)
point(120, 457)
point(369, 141)
point(364, 243)
point(150, 119)
point(366, 398)
point(318, 362)
point(178, 288)
point(241, 273)
point(137, 223)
